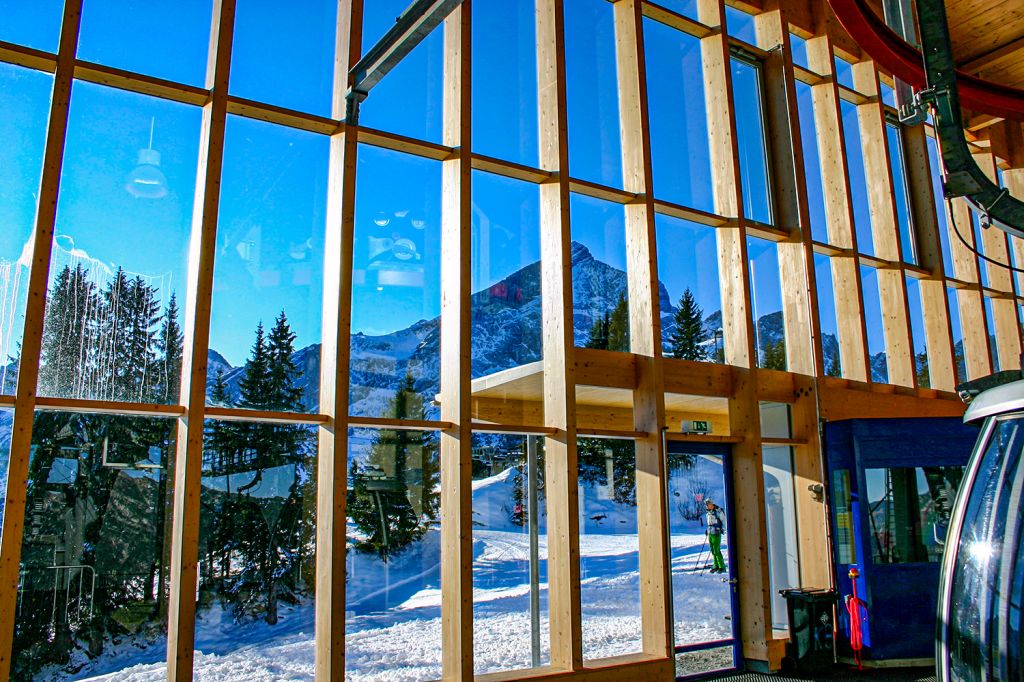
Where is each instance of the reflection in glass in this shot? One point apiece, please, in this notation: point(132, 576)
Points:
point(741, 25)
point(609, 548)
point(701, 600)
point(990, 324)
point(505, 80)
point(798, 46)
point(919, 342)
point(409, 100)
point(908, 512)
point(283, 53)
point(680, 158)
point(830, 353)
point(941, 213)
point(393, 585)
point(506, 277)
point(6, 421)
point(908, 238)
point(750, 138)
point(257, 537)
point(858, 178)
point(396, 283)
point(877, 356)
point(95, 555)
point(812, 162)
point(955, 324)
point(24, 108)
point(592, 107)
point(780, 514)
point(599, 287)
point(159, 38)
point(691, 299)
point(267, 280)
point(113, 326)
point(766, 303)
point(33, 24)
point(510, 613)
point(843, 72)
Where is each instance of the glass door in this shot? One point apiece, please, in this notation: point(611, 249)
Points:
point(703, 575)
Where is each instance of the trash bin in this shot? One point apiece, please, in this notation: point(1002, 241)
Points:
point(811, 647)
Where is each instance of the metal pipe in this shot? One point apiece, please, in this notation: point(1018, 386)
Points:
point(533, 520)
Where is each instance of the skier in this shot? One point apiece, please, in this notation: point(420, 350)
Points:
point(714, 531)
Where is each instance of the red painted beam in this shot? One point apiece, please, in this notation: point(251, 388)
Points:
point(905, 62)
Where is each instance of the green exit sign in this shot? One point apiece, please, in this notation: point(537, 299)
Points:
point(696, 426)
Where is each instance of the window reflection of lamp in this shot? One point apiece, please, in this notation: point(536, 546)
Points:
point(146, 180)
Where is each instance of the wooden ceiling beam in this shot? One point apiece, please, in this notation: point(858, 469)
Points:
point(1004, 53)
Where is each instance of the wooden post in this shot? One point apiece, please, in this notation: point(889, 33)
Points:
point(560, 461)
point(189, 456)
point(32, 336)
point(644, 332)
point(332, 448)
point(456, 355)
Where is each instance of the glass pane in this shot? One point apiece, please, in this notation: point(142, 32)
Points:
point(95, 555)
point(701, 599)
point(908, 237)
point(609, 548)
point(592, 92)
point(775, 421)
point(740, 25)
point(24, 109)
point(6, 422)
point(888, 94)
point(858, 178)
point(257, 550)
point(113, 311)
point(959, 358)
point(161, 38)
point(798, 46)
point(827, 316)
point(283, 54)
point(393, 588)
point(984, 562)
point(812, 163)
point(846, 548)
point(505, 80)
point(510, 614)
point(979, 246)
point(766, 303)
point(990, 323)
point(688, 8)
point(919, 341)
point(600, 299)
point(680, 158)
point(877, 357)
point(409, 100)
point(908, 512)
point(844, 72)
point(750, 134)
point(708, 660)
point(33, 24)
point(940, 203)
point(268, 277)
point(505, 274)
point(691, 300)
point(396, 283)
point(780, 513)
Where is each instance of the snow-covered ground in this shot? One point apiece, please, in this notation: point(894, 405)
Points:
point(393, 630)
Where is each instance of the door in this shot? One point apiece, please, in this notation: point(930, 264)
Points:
point(704, 599)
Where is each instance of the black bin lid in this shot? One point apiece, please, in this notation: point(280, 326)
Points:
point(809, 594)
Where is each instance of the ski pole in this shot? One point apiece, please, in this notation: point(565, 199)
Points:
point(701, 554)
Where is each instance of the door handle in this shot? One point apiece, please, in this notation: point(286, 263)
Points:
point(733, 581)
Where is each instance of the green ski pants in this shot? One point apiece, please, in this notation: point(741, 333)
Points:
point(715, 542)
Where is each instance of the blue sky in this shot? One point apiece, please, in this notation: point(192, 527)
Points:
point(273, 195)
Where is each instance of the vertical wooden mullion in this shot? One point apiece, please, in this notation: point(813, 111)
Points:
point(189, 455)
point(332, 444)
point(938, 336)
point(884, 227)
point(644, 331)
point(560, 458)
point(32, 335)
point(456, 355)
point(750, 538)
point(839, 212)
point(796, 254)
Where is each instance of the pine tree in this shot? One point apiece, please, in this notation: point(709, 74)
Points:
point(833, 363)
point(598, 335)
point(171, 344)
point(69, 336)
point(921, 367)
point(593, 455)
point(773, 354)
point(686, 340)
point(618, 326)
